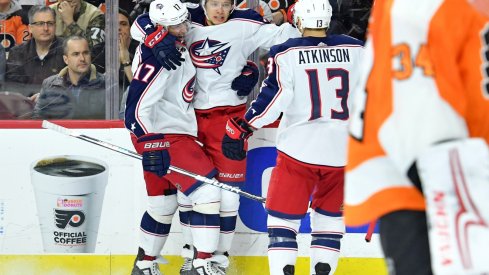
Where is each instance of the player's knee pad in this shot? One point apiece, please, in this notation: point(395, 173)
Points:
point(282, 233)
point(184, 202)
point(206, 199)
point(229, 204)
point(326, 231)
point(162, 208)
point(211, 208)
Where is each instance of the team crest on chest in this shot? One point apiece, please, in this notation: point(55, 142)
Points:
point(209, 54)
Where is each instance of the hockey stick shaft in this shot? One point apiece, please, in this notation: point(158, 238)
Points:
point(60, 129)
point(370, 230)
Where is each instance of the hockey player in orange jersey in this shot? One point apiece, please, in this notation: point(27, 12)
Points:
point(13, 24)
point(418, 158)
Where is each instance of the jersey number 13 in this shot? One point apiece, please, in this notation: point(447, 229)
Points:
point(341, 93)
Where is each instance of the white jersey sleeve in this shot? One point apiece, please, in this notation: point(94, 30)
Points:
point(269, 35)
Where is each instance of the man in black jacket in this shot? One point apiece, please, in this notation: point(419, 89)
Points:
point(31, 62)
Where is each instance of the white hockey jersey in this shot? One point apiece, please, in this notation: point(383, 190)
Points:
point(160, 101)
point(309, 82)
point(219, 52)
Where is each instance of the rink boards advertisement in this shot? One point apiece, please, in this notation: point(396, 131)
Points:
point(58, 221)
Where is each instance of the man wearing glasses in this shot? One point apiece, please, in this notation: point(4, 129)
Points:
point(42, 56)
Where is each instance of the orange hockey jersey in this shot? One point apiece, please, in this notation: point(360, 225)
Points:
point(424, 80)
point(13, 29)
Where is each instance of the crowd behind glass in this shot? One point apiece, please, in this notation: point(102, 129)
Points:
point(53, 60)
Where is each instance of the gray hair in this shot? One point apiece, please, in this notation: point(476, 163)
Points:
point(37, 9)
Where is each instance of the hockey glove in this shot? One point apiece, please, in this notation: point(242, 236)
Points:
point(237, 133)
point(154, 148)
point(244, 83)
point(163, 46)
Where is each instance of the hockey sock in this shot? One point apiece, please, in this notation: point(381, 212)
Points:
point(205, 231)
point(153, 235)
point(226, 234)
point(327, 231)
point(185, 223)
point(282, 248)
point(228, 213)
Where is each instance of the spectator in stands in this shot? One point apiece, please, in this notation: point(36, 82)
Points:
point(78, 91)
point(77, 17)
point(38, 58)
point(127, 48)
point(13, 22)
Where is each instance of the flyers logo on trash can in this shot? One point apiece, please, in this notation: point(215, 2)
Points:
point(73, 218)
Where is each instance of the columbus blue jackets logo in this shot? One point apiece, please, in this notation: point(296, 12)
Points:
point(209, 54)
point(188, 90)
point(68, 217)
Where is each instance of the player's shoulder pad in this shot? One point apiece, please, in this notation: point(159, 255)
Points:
point(343, 39)
point(290, 43)
point(197, 14)
point(247, 14)
point(143, 19)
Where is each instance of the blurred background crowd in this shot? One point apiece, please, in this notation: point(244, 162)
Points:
point(50, 47)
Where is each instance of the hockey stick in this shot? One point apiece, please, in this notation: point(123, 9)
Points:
point(62, 130)
point(370, 230)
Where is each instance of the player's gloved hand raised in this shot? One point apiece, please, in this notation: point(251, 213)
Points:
point(244, 83)
point(234, 142)
point(154, 148)
point(163, 46)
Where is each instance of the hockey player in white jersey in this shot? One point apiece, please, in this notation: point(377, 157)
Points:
point(219, 43)
point(309, 80)
point(161, 118)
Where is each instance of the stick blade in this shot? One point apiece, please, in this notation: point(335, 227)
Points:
point(57, 128)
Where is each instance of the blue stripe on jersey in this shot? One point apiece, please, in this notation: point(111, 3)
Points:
point(202, 220)
point(150, 225)
point(326, 243)
point(197, 184)
point(137, 88)
point(228, 223)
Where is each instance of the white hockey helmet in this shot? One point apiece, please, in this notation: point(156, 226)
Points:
point(202, 4)
point(168, 12)
point(313, 14)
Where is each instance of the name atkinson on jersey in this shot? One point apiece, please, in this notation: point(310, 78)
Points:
point(324, 55)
